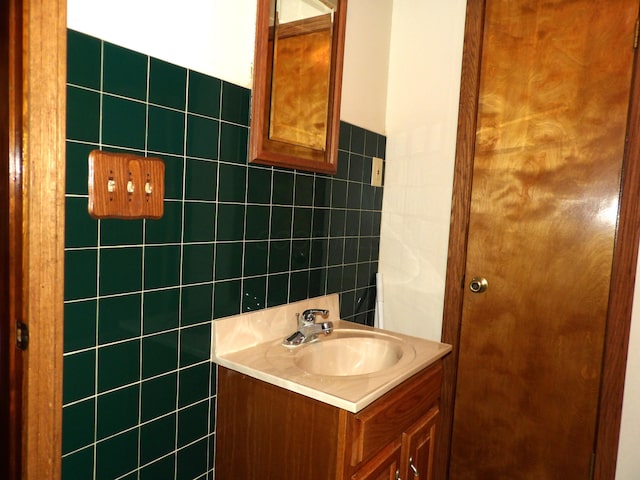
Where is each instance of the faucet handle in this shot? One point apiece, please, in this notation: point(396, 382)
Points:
point(308, 316)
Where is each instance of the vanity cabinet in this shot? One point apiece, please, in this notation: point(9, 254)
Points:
point(269, 433)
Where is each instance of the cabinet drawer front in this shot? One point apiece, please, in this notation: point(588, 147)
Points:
point(384, 466)
point(385, 420)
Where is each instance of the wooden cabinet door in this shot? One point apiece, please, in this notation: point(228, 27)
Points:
point(418, 445)
point(264, 432)
point(554, 92)
point(384, 466)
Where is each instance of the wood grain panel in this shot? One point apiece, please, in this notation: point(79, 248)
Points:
point(126, 186)
point(384, 466)
point(419, 444)
point(463, 174)
point(42, 232)
point(298, 428)
point(548, 158)
point(623, 278)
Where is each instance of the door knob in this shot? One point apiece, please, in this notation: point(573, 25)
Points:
point(478, 284)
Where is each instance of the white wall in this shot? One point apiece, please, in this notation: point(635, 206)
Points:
point(422, 112)
point(628, 457)
point(216, 37)
point(366, 64)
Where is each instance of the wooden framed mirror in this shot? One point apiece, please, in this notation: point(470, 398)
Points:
point(297, 78)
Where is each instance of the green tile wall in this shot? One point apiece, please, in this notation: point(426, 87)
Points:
point(139, 389)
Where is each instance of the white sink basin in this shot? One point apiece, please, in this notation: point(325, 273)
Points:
point(349, 352)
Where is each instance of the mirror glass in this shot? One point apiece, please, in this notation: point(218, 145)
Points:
point(297, 78)
point(301, 45)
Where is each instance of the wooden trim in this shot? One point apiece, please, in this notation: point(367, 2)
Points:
point(43, 141)
point(463, 174)
point(623, 269)
point(623, 275)
point(303, 27)
point(13, 132)
point(7, 435)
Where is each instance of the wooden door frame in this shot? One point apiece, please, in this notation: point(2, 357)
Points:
point(625, 259)
point(9, 435)
point(36, 191)
point(10, 242)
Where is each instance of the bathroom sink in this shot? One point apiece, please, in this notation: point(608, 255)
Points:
point(349, 368)
point(350, 352)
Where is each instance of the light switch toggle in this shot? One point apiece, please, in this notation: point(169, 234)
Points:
point(148, 189)
point(111, 185)
point(130, 187)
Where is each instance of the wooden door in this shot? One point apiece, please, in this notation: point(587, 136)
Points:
point(555, 82)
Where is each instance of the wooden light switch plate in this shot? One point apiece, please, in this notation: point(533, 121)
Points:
point(123, 185)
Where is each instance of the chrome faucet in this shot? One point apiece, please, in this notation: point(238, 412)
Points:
point(308, 329)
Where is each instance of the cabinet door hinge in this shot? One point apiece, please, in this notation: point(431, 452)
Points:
point(635, 35)
point(22, 335)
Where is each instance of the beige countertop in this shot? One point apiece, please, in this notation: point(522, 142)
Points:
point(251, 344)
